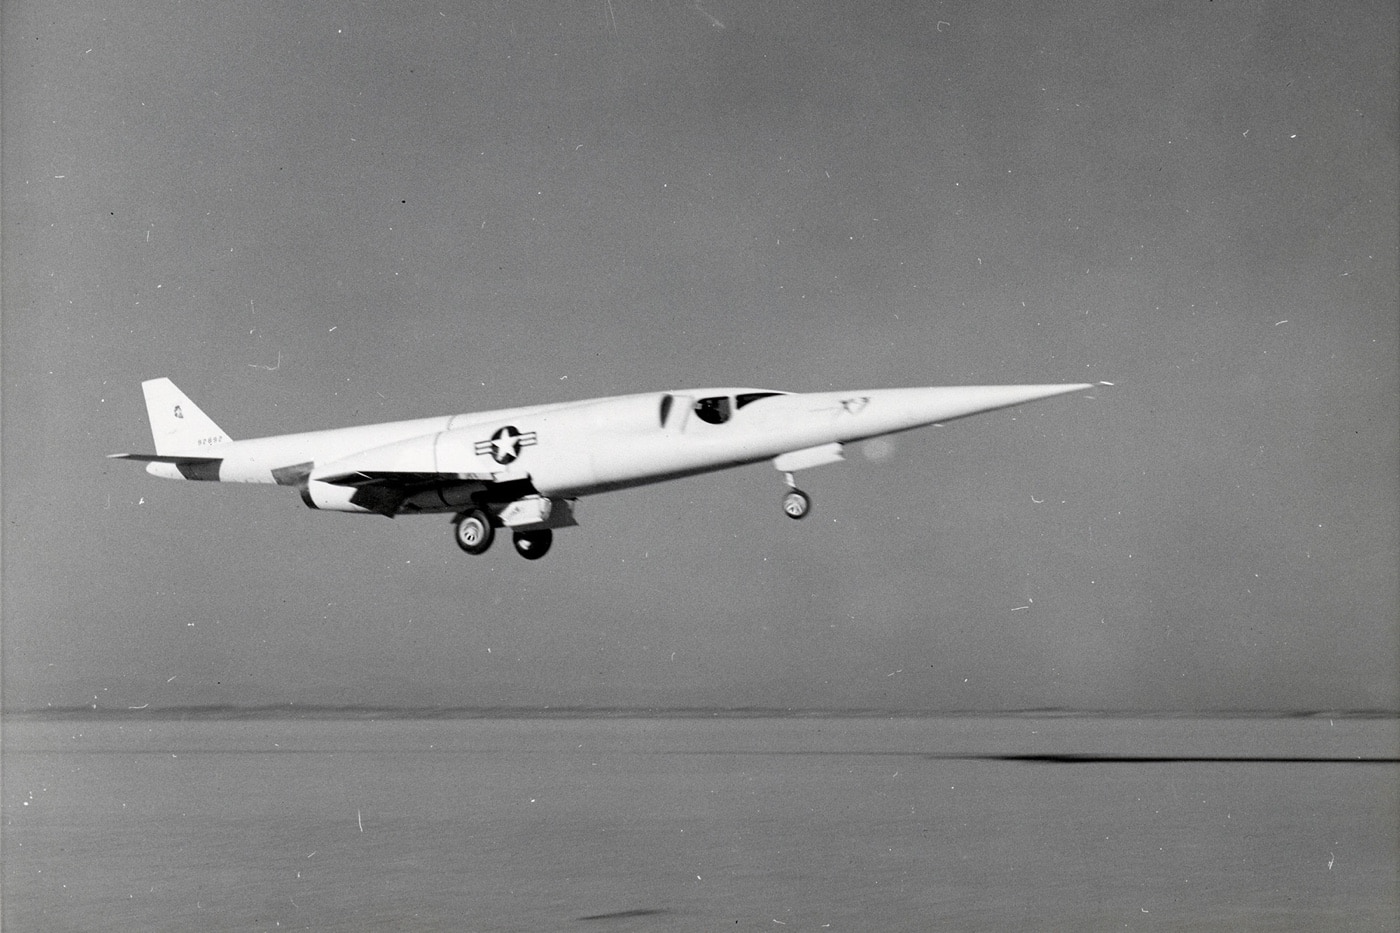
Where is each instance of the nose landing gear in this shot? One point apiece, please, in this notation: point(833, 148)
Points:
point(796, 503)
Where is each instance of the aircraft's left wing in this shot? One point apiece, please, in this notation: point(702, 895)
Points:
point(403, 479)
point(389, 491)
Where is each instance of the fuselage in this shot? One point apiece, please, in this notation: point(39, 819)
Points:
point(524, 469)
point(572, 449)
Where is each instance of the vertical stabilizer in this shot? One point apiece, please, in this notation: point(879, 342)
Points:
point(178, 426)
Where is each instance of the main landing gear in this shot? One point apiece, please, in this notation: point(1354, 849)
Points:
point(796, 503)
point(532, 545)
point(474, 531)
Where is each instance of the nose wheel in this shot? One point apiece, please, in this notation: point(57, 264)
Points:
point(796, 503)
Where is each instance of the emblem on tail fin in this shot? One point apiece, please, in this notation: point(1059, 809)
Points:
point(178, 426)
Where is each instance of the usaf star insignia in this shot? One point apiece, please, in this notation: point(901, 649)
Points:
point(504, 446)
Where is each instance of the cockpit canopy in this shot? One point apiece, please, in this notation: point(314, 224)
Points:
point(715, 409)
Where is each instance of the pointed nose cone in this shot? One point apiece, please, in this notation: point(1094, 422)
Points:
point(880, 411)
point(938, 404)
point(989, 398)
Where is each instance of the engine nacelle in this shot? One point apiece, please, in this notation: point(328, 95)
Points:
point(330, 497)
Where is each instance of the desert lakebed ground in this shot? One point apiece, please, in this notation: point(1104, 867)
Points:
point(694, 822)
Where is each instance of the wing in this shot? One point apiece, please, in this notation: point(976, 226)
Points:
point(392, 492)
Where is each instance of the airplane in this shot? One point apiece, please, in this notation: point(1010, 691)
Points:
point(523, 469)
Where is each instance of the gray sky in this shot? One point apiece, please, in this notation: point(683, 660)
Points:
point(318, 214)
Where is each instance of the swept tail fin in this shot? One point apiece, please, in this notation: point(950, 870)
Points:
point(178, 426)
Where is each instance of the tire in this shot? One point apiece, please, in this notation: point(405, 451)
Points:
point(796, 504)
point(532, 545)
point(474, 531)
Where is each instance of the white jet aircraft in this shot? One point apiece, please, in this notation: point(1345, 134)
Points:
point(524, 468)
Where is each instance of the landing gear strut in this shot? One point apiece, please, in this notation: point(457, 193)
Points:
point(532, 545)
point(796, 503)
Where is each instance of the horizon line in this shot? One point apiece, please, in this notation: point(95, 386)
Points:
point(579, 711)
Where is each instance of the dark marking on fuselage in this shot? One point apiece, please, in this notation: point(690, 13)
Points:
point(295, 475)
point(203, 470)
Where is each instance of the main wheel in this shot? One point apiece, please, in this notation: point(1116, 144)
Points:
point(474, 531)
point(796, 504)
point(532, 545)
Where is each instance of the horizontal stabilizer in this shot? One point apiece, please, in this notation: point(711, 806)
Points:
point(163, 458)
point(172, 466)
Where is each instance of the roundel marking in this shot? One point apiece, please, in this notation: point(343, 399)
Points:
point(504, 445)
